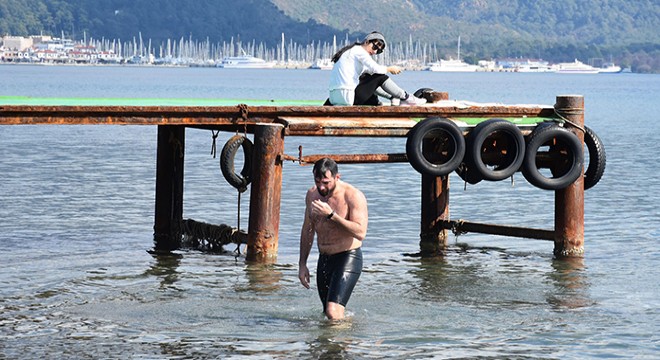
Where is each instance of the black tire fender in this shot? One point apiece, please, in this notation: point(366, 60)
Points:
point(446, 136)
point(597, 158)
point(555, 136)
point(227, 157)
point(477, 141)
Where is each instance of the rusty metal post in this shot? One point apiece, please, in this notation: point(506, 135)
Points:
point(265, 193)
point(435, 209)
point(169, 187)
point(569, 202)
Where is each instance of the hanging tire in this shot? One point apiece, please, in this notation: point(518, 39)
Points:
point(227, 157)
point(565, 157)
point(597, 158)
point(495, 149)
point(446, 141)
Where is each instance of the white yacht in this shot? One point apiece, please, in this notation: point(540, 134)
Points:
point(534, 66)
point(245, 62)
point(452, 65)
point(576, 67)
point(610, 68)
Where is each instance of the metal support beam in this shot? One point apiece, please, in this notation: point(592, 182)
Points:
point(265, 193)
point(461, 226)
point(435, 210)
point(569, 202)
point(169, 187)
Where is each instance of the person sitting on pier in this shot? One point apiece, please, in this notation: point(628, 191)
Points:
point(357, 79)
point(336, 212)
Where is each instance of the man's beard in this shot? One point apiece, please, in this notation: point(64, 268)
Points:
point(326, 192)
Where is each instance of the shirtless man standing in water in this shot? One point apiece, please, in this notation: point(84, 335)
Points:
point(337, 213)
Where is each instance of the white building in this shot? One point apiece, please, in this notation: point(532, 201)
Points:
point(18, 43)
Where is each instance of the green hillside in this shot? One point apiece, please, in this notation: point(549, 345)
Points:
point(624, 31)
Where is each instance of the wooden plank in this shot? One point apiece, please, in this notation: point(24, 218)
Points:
point(241, 113)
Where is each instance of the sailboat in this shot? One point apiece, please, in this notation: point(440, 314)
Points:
point(452, 65)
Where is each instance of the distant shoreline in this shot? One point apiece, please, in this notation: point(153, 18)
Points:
point(298, 66)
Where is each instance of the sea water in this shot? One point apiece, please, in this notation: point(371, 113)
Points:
point(77, 212)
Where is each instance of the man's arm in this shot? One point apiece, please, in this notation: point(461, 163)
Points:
point(306, 241)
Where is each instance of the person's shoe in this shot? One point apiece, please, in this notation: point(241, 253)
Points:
point(395, 101)
point(412, 101)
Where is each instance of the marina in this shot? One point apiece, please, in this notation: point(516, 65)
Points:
point(47, 50)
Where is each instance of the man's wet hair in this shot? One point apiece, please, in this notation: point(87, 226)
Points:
point(323, 165)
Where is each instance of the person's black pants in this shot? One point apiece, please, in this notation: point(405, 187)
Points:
point(365, 92)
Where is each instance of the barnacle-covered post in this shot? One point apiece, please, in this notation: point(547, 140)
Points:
point(569, 202)
point(265, 193)
point(169, 187)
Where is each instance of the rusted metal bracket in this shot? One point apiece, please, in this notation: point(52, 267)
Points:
point(460, 227)
point(346, 158)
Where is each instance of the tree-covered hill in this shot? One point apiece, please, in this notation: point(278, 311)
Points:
point(217, 20)
point(562, 30)
point(625, 31)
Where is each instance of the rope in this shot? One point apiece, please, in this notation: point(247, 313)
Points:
point(207, 237)
point(238, 227)
point(570, 111)
point(214, 134)
point(456, 228)
point(243, 110)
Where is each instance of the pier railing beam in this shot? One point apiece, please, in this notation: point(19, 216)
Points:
point(569, 202)
point(265, 193)
point(169, 187)
point(435, 209)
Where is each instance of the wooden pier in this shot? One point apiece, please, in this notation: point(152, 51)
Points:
point(271, 124)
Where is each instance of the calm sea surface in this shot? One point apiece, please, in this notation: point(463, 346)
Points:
point(76, 221)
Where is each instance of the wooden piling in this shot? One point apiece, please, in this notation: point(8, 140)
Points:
point(265, 193)
point(169, 187)
point(569, 202)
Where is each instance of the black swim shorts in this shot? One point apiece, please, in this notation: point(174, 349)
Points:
point(337, 274)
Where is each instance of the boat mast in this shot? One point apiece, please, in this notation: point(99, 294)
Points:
point(459, 48)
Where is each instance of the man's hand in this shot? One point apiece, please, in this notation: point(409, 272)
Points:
point(321, 208)
point(303, 275)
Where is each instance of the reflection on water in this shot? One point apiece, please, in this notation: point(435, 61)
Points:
point(572, 287)
point(165, 268)
point(329, 339)
point(263, 277)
